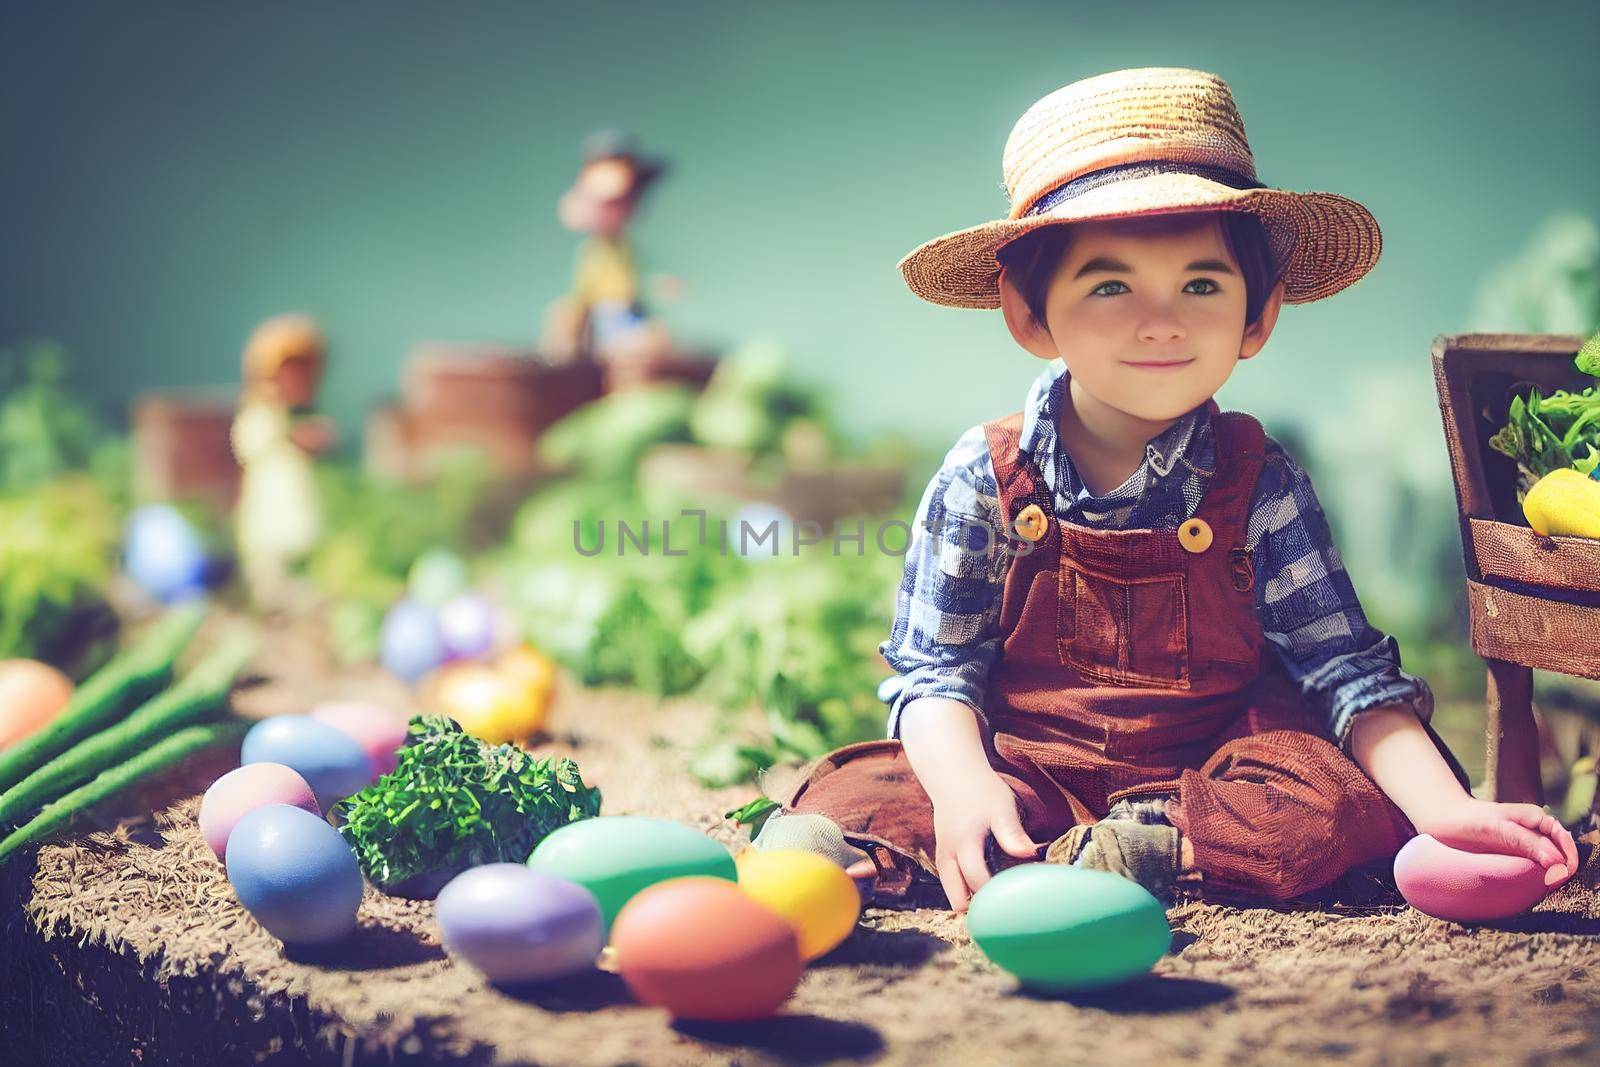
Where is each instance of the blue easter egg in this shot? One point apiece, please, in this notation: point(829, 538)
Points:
point(466, 627)
point(520, 925)
point(295, 874)
point(164, 554)
point(410, 643)
point(331, 761)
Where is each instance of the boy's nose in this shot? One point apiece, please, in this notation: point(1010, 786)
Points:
point(1158, 328)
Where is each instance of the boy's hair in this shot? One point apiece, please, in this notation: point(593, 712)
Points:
point(1031, 261)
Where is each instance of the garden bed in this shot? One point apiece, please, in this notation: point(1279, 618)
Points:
point(126, 944)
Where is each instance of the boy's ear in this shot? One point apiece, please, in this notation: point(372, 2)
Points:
point(1027, 332)
point(1256, 334)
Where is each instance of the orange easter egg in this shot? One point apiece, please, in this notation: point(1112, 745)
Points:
point(31, 695)
point(705, 951)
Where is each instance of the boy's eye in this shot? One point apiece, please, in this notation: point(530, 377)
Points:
point(1213, 287)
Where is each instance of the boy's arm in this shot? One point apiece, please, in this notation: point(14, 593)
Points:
point(1313, 619)
point(944, 640)
point(1391, 745)
point(1309, 610)
point(947, 607)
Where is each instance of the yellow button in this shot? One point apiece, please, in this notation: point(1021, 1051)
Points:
point(1195, 535)
point(1031, 523)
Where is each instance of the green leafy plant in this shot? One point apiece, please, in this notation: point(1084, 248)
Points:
point(605, 439)
point(794, 636)
point(752, 400)
point(45, 431)
point(753, 813)
point(1588, 358)
point(58, 549)
point(454, 802)
point(1547, 433)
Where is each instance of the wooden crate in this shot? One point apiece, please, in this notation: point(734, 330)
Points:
point(1533, 601)
point(181, 449)
point(491, 398)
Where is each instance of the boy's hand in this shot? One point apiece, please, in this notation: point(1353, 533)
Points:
point(1390, 745)
point(963, 819)
point(1511, 829)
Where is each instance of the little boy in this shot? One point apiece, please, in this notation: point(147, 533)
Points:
point(1124, 638)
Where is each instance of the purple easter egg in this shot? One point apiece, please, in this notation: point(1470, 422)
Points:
point(466, 625)
point(519, 925)
point(411, 644)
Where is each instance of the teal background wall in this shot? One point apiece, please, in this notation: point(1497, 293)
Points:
point(171, 173)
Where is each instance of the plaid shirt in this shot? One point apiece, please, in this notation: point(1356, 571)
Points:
point(948, 605)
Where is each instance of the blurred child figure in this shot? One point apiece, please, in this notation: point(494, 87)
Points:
point(604, 314)
point(278, 518)
point(1124, 638)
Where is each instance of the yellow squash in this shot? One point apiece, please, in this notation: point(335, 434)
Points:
point(1564, 502)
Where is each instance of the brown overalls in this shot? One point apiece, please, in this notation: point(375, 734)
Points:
point(1133, 663)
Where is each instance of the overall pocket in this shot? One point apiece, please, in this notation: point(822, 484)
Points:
point(1124, 631)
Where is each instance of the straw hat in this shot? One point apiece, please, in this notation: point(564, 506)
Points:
point(1147, 141)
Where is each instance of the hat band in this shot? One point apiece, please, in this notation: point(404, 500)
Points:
point(1128, 171)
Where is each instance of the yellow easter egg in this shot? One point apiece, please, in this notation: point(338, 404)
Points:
point(531, 665)
point(812, 893)
point(488, 704)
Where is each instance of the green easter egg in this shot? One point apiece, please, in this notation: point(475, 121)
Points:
point(616, 856)
point(1061, 929)
point(436, 576)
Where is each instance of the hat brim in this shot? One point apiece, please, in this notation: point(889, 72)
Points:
point(1327, 242)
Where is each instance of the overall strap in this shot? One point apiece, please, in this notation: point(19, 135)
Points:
point(1016, 477)
point(1240, 454)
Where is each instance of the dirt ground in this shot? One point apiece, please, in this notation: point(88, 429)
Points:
point(126, 945)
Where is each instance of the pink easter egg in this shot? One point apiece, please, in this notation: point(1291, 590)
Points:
point(380, 731)
point(244, 789)
point(1449, 883)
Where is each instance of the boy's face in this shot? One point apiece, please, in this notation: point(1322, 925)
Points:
point(1122, 303)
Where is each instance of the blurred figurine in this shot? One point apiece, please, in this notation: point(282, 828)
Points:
point(603, 313)
point(279, 515)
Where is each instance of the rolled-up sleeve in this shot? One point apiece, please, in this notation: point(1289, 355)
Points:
point(947, 607)
point(1309, 610)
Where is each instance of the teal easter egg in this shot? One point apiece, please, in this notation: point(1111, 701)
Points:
point(1061, 929)
point(616, 856)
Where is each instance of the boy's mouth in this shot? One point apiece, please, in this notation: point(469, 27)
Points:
point(1159, 365)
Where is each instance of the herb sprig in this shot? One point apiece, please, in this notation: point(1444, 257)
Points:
point(454, 802)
